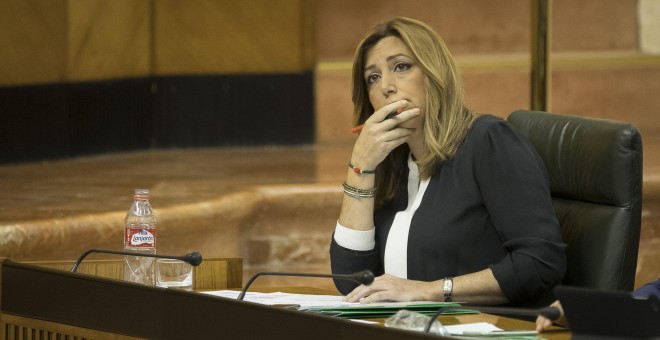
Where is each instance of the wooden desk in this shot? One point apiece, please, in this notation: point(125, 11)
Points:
point(213, 273)
point(506, 323)
point(38, 303)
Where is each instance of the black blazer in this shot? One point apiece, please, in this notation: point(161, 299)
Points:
point(488, 207)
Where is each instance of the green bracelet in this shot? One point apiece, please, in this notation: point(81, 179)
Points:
point(360, 171)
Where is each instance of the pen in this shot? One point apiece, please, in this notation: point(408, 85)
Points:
point(389, 115)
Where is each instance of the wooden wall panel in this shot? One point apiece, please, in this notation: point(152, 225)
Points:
point(50, 41)
point(594, 25)
point(467, 26)
point(33, 39)
point(108, 39)
point(482, 26)
point(228, 36)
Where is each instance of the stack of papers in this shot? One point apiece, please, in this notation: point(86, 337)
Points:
point(278, 298)
point(333, 304)
point(386, 309)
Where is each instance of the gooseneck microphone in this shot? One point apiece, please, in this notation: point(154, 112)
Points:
point(365, 277)
point(193, 258)
point(551, 313)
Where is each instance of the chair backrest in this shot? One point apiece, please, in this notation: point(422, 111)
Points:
point(595, 169)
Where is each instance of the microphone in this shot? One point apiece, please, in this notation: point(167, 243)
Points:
point(194, 258)
point(551, 313)
point(365, 277)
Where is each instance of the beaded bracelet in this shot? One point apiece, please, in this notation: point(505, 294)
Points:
point(360, 171)
point(358, 193)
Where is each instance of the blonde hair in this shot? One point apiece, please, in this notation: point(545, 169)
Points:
point(447, 120)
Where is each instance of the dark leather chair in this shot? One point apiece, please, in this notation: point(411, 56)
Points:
point(595, 169)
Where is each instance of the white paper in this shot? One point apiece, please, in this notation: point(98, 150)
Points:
point(306, 301)
point(279, 298)
point(478, 327)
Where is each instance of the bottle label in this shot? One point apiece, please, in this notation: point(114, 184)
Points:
point(140, 237)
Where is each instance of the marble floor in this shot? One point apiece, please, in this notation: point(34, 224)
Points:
point(273, 206)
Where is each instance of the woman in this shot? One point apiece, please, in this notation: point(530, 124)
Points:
point(440, 203)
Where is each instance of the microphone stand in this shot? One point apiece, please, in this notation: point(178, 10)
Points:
point(365, 277)
point(193, 258)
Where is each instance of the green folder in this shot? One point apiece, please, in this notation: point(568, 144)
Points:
point(387, 310)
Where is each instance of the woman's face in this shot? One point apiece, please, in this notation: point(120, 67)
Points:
point(391, 74)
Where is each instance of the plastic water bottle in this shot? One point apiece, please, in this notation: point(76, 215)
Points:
point(140, 236)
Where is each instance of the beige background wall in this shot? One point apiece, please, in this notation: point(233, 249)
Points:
point(228, 36)
point(46, 41)
point(34, 41)
point(649, 25)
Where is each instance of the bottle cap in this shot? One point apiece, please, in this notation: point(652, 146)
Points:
point(141, 194)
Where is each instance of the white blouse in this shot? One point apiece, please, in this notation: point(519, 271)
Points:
point(396, 248)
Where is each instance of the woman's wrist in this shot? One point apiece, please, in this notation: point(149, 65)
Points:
point(357, 192)
point(361, 171)
point(358, 180)
point(363, 161)
point(435, 291)
point(428, 291)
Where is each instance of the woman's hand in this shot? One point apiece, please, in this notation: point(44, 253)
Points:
point(380, 134)
point(476, 288)
point(391, 288)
